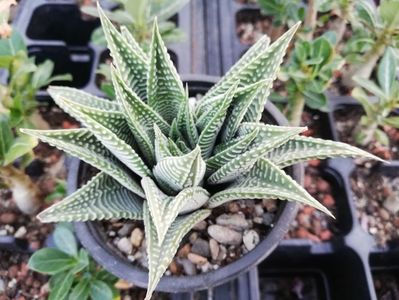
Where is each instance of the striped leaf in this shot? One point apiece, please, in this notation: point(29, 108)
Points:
point(186, 125)
point(179, 172)
point(84, 145)
point(164, 88)
point(245, 161)
point(302, 148)
point(111, 128)
point(238, 109)
point(127, 56)
point(165, 209)
point(101, 198)
point(223, 157)
point(210, 132)
point(266, 181)
point(161, 145)
point(160, 256)
point(262, 63)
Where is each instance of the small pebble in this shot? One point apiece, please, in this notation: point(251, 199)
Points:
point(125, 245)
point(188, 266)
point(234, 221)
point(225, 235)
point(200, 226)
point(222, 253)
point(125, 229)
point(8, 218)
point(214, 248)
point(136, 237)
point(123, 285)
point(184, 251)
point(268, 218)
point(20, 233)
point(251, 239)
point(258, 210)
point(201, 247)
point(197, 259)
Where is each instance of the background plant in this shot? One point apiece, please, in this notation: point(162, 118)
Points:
point(185, 160)
point(378, 111)
point(74, 275)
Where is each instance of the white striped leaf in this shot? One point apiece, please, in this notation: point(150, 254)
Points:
point(266, 180)
point(174, 149)
point(182, 146)
point(246, 160)
point(134, 107)
point(101, 198)
point(259, 47)
point(174, 132)
point(257, 65)
point(223, 157)
point(111, 128)
point(160, 256)
point(164, 87)
point(186, 125)
point(211, 130)
point(165, 209)
point(84, 145)
point(238, 109)
point(127, 56)
point(161, 145)
point(302, 148)
point(179, 172)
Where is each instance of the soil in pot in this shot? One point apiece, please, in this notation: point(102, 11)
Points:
point(310, 223)
point(291, 287)
point(346, 119)
point(17, 281)
point(251, 25)
point(386, 286)
point(373, 192)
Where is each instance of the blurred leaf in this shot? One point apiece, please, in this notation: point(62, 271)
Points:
point(381, 137)
point(392, 121)
point(361, 96)
point(370, 86)
point(6, 136)
point(83, 262)
point(12, 45)
point(42, 74)
point(386, 72)
point(365, 12)
point(99, 290)
point(316, 100)
point(61, 286)
point(51, 261)
point(65, 240)
point(19, 147)
point(389, 12)
point(81, 291)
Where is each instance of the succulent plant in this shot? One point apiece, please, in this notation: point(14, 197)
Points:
point(168, 162)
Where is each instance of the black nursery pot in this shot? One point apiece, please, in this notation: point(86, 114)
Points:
point(94, 240)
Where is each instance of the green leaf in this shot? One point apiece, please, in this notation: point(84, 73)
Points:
point(127, 56)
point(160, 256)
point(84, 145)
point(179, 172)
point(186, 124)
point(99, 290)
point(19, 147)
point(164, 88)
point(302, 148)
point(266, 181)
point(88, 203)
point(316, 100)
point(214, 123)
point(164, 10)
point(42, 74)
point(392, 121)
point(51, 261)
point(81, 291)
point(65, 240)
point(109, 127)
point(60, 290)
point(6, 136)
point(360, 95)
point(83, 262)
point(369, 86)
point(381, 137)
point(386, 72)
point(389, 13)
point(231, 151)
point(366, 12)
point(12, 45)
point(276, 136)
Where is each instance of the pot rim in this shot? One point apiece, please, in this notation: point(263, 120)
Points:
point(104, 253)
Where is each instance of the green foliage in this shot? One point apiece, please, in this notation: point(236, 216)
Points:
point(286, 12)
point(25, 78)
point(378, 111)
point(74, 275)
point(309, 73)
point(168, 162)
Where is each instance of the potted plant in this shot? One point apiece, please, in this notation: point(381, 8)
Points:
point(171, 163)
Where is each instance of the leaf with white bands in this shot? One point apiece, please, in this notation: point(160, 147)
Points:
point(109, 128)
point(82, 97)
point(238, 109)
point(186, 124)
point(161, 144)
point(215, 162)
point(179, 172)
point(127, 56)
point(260, 46)
point(266, 180)
point(160, 256)
point(302, 148)
point(258, 65)
point(84, 145)
point(164, 87)
point(134, 107)
point(101, 198)
point(165, 209)
point(209, 134)
point(246, 160)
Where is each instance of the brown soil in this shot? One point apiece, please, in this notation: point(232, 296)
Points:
point(346, 120)
point(310, 223)
point(371, 189)
point(386, 286)
point(251, 25)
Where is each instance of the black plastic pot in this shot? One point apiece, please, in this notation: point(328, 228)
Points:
point(94, 240)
